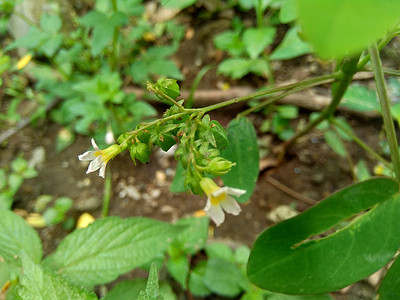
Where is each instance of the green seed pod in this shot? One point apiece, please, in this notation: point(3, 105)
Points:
point(219, 166)
point(140, 151)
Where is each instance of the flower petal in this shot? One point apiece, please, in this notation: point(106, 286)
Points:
point(95, 165)
point(95, 145)
point(88, 155)
point(236, 192)
point(216, 214)
point(231, 206)
point(102, 172)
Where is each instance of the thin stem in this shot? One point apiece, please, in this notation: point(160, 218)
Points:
point(359, 142)
point(326, 113)
point(114, 56)
point(319, 80)
point(381, 45)
point(385, 106)
point(282, 95)
point(24, 18)
point(107, 194)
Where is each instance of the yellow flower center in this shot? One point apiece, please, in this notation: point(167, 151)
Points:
point(216, 200)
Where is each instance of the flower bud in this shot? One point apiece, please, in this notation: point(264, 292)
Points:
point(219, 166)
point(140, 151)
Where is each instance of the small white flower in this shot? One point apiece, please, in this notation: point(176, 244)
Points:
point(220, 200)
point(99, 158)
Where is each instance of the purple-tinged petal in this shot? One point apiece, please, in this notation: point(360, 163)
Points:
point(231, 206)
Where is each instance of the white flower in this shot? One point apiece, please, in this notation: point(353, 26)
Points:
point(220, 200)
point(99, 158)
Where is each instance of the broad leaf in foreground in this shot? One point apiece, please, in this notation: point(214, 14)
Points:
point(17, 235)
point(110, 247)
point(36, 283)
point(243, 151)
point(286, 259)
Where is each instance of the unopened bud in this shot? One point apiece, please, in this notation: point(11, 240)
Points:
point(140, 151)
point(219, 166)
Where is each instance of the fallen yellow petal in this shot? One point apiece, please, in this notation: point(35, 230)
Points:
point(5, 287)
point(379, 169)
point(36, 220)
point(24, 61)
point(84, 220)
point(199, 213)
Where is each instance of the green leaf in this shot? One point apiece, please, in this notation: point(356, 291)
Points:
point(362, 171)
point(130, 289)
point(17, 235)
point(337, 28)
point(179, 4)
point(178, 268)
point(50, 23)
point(293, 297)
point(196, 280)
point(194, 238)
point(223, 277)
point(243, 151)
point(291, 46)
point(335, 143)
point(284, 259)
point(178, 184)
point(110, 247)
point(360, 98)
point(152, 289)
point(36, 283)
point(219, 250)
point(288, 111)
point(389, 288)
point(235, 67)
point(256, 39)
point(230, 41)
point(288, 12)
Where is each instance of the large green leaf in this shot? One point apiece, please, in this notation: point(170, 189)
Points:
point(256, 39)
point(389, 288)
point(291, 46)
point(17, 235)
point(284, 258)
point(243, 151)
point(337, 28)
point(36, 283)
point(110, 247)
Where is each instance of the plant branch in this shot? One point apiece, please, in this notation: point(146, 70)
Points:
point(385, 106)
point(316, 80)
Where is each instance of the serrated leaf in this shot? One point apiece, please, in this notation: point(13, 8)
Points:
point(152, 289)
point(337, 28)
point(130, 290)
point(243, 151)
point(284, 259)
point(291, 46)
point(110, 247)
point(17, 235)
point(37, 284)
point(235, 67)
point(257, 39)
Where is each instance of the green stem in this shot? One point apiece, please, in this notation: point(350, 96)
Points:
point(107, 194)
point(24, 18)
point(385, 106)
point(363, 145)
point(317, 80)
point(346, 76)
point(114, 56)
point(381, 45)
point(281, 96)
